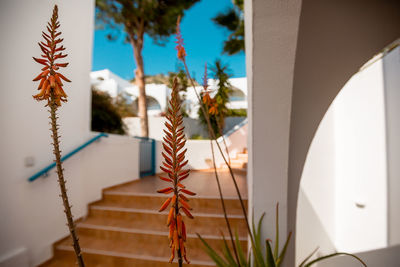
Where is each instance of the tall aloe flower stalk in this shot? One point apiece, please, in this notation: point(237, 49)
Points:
point(174, 161)
point(272, 258)
point(204, 102)
point(51, 90)
point(181, 54)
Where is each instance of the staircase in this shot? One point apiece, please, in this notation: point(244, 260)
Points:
point(239, 162)
point(125, 228)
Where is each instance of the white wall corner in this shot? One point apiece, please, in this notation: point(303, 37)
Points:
point(15, 258)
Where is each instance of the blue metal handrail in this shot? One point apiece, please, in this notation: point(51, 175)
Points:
point(45, 170)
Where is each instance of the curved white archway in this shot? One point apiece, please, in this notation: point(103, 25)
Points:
point(343, 202)
point(153, 106)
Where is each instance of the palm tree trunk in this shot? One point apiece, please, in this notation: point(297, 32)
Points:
point(140, 82)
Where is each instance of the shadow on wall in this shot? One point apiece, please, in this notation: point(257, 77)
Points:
point(348, 176)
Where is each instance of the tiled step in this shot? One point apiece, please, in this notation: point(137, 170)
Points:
point(65, 257)
point(145, 241)
point(237, 161)
point(126, 229)
point(154, 201)
point(204, 223)
point(233, 165)
point(201, 182)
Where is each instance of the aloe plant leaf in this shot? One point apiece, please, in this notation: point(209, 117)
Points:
point(259, 229)
point(213, 255)
point(254, 232)
point(239, 249)
point(308, 257)
point(228, 254)
point(283, 252)
point(258, 255)
point(334, 255)
point(269, 254)
point(276, 249)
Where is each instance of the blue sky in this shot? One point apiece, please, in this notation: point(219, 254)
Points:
point(203, 43)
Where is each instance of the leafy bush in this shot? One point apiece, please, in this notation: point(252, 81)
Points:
point(237, 112)
point(218, 104)
point(197, 137)
point(105, 115)
point(124, 108)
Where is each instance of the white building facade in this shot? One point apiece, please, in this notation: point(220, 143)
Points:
point(157, 94)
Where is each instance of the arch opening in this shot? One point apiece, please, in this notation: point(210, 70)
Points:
point(153, 106)
point(348, 195)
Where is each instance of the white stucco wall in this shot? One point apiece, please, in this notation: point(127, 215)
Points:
point(361, 162)
point(271, 38)
point(388, 257)
point(345, 177)
point(311, 231)
point(316, 209)
point(391, 74)
point(25, 129)
point(32, 216)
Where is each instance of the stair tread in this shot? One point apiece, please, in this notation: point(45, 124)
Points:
point(157, 261)
point(124, 228)
point(118, 227)
point(119, 207)
point(133, 193)
point(154, 201)
point(123, 249)
point(203, 183)
point(126, 218)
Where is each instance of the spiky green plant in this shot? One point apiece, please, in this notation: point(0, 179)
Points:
point(271, 258)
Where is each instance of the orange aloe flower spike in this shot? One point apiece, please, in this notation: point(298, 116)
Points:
point(50, 81)
point(179, 41)
point(173, 165)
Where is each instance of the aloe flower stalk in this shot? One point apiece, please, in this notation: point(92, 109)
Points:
point(211, 106)
point(207, 100)
point(173, 164)
point(181, 54)
point(50, 87)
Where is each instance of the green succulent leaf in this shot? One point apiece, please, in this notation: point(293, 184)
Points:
point(276, 249)
point(334, 255)
point(283, 252)
point(213, 255)
point(308, 257)
point(257, 251)
point(228, 254)
point(241, 254)
point(269, 254)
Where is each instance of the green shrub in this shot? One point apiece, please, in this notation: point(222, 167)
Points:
point(197, 137)
point(105, 115)
point(241, 112)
